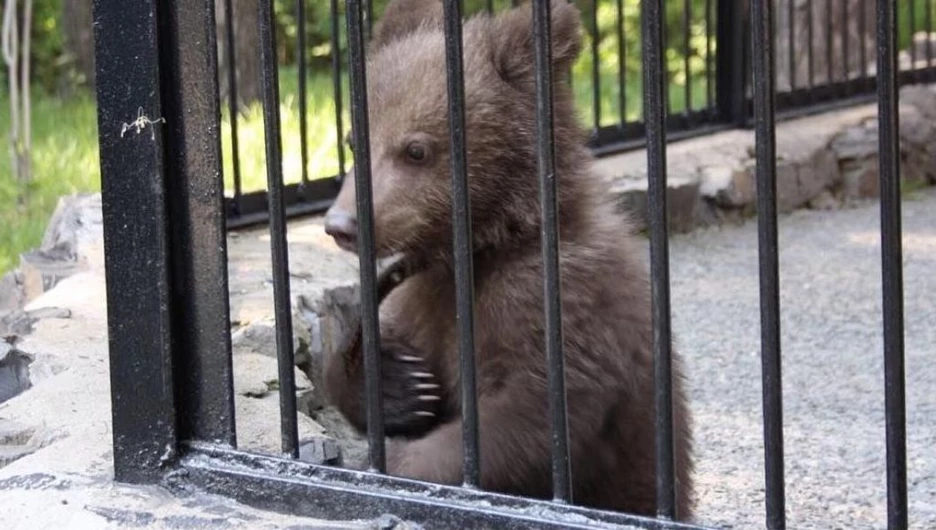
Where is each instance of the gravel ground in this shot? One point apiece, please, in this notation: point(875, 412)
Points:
point(833, 386)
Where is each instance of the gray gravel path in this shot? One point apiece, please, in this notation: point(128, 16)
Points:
point(832, 366)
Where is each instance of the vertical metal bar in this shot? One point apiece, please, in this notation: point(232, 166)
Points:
point(810, 58)
point(303, 113)
point(730, 62)
point(546, 165)
point(709, 80)
point(687, 52)
point(195, 187)
point(891, 265)
point(764, 120)
point(912, 23)
point(370, 326)
point(136, 243)
point(232, 101)
point(596, 68)
point(622, 64)
point(844, 38)
point(336, 81)
point(791, 43)
point(461, 223)
point(489, 5)
point(929, 32)
point(863, 48)
point(369, 6)
point(281, 301)
point(655, 119)
point(829, 43)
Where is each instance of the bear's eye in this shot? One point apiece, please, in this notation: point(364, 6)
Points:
point(417, 152)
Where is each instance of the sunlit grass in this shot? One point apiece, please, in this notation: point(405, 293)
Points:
point(64, 161)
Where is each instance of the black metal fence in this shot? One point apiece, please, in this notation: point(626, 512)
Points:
point(825, 52)
point(165, 216)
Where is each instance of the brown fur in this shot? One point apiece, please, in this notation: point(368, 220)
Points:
point(607, 330)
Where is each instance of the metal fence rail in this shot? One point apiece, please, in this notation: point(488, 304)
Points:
point(165, 253)
point(714, 96)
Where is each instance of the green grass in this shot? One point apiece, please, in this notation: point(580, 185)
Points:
point(64, 161)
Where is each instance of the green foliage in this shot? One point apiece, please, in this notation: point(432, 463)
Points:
point(65, 161)
point(912, 17)
point(49, 62)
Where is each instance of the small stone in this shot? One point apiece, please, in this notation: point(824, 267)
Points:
point(259, 336)
point(861, 179)
point(824, 201)
point(818, 173)
point(682, 196)
point(789, 195)
point(855, 143)
point(258, 424)
point(43, 269)
point(320, 450)
point(49, 312)
point(257, 375)
point(14, 371)
point(16, 323)
point(728, 187)
point(76, 224)
point(12, 296)
point(13, 433)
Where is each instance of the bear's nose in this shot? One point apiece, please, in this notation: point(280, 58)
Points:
point(342, 226)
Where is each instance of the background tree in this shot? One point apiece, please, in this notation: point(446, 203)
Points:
point(78, 37)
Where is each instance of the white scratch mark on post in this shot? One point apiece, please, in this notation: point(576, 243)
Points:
point(140, 123)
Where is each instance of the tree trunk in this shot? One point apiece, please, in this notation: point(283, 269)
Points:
point(246, 51)
point(79, 38)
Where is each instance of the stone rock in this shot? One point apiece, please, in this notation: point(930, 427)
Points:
point(321, 450)
point(824, 201)
point(682, 196)
point(816, 174)
point(43, 269)
point(789, 193)
point(353, 444)
point(921, 97)
point(727, 186)
point(917, 144)
point(258, 424)
point(856, 149)
point(21, 322)
point(259, 336)
point(855, 143)
point(12, 296)
point(77, 225)
point(16, 441)
point(257, 376)
point(14, 370)
point(860, 179)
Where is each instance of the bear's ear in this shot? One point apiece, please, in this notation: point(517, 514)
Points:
point(514, 46)
point(402, 17)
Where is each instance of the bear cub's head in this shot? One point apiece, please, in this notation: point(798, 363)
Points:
point(409, 135)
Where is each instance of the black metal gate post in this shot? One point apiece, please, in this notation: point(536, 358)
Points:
point(732, 60)
point(191, 106)
point(164, 231)
point(136, 243)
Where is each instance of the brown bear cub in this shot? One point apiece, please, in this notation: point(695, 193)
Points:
point(605, 289)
